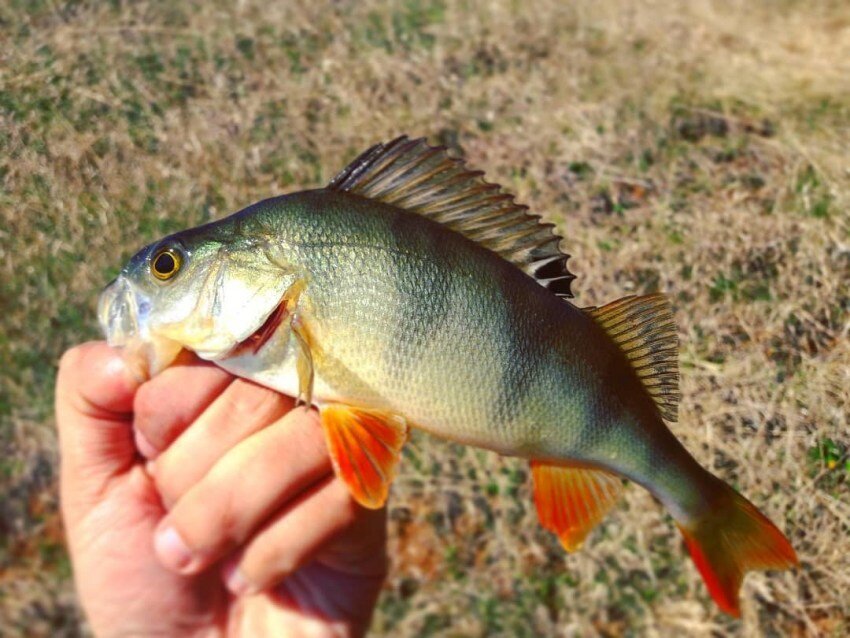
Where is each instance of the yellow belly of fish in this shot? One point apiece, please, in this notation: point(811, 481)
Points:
point(275, 367)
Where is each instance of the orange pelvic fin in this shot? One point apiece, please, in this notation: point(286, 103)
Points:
point(731, 540)
point(572, 500)
point(365, 446)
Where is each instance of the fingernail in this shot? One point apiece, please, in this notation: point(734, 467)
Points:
point(144, 446)
point(233, 578)
point(172, 549)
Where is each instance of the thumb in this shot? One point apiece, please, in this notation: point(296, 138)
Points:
point(94, 402)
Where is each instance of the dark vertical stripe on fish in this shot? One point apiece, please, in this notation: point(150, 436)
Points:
point(519, 361)
point(412, 317)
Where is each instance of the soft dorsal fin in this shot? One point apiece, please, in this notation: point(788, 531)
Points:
point(644, 329)
point(423, 179)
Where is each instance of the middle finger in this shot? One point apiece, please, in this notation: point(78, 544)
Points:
point(251, 482)
point(242, 409)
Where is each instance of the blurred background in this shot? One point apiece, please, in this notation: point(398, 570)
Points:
point(699, 148)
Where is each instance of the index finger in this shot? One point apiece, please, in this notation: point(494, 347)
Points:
point(166, 404)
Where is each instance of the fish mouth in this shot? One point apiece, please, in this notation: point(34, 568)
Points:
point(122, 314)
point(118, 313)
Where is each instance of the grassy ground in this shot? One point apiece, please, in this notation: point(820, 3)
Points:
point(698, 148)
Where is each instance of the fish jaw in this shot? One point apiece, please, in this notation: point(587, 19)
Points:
point(122, 314)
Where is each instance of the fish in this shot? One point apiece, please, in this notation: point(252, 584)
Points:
point(412, 293)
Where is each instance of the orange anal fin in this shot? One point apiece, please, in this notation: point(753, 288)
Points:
point(572, 500)
point(365, 446)
point(731, 540)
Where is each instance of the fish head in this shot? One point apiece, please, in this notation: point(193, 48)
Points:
point(202, 290)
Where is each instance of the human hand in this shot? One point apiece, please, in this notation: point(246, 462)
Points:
point(242, 478)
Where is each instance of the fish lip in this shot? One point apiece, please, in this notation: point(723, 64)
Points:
point(122, 314)
point(118, 312)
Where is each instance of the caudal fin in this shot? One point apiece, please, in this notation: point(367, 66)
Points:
point(730, 540)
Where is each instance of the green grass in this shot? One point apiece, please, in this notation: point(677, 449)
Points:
point(698, 149)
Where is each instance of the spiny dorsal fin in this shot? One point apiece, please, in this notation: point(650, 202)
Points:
point(423, 179)
point(644, 329)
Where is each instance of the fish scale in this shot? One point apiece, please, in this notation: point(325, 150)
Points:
point(412, 293)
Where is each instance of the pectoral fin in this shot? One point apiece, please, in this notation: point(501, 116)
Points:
point(572, 500)
point(365, 446)
point(303, 362)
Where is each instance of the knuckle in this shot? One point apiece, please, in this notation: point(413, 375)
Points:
point(217, 499)
point(209, 529)
point(348, 509)
point(146, 408)
point(245, 399)
point(267, 563)
point(228, 523)
point(304, 433)
point(155, 415)
point(168, 480)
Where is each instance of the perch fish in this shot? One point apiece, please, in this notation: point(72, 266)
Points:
point(411, 293)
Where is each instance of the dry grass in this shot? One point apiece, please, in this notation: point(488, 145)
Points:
point(698, 148)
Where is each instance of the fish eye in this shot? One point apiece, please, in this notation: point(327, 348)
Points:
point(166, 263)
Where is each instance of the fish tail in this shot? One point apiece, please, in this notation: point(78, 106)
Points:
point(731, 538)
point(725, 533)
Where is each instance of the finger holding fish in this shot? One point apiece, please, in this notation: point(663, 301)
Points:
point(242, 409)
point(250, 483)
point(197, 426)
point(161, 415)
point(281, 547)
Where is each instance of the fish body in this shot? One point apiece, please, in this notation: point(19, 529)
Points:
point(408, 294)
point(411, 318)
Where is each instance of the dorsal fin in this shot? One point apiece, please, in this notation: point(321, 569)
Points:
point(423, 179)
point(644, 329)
